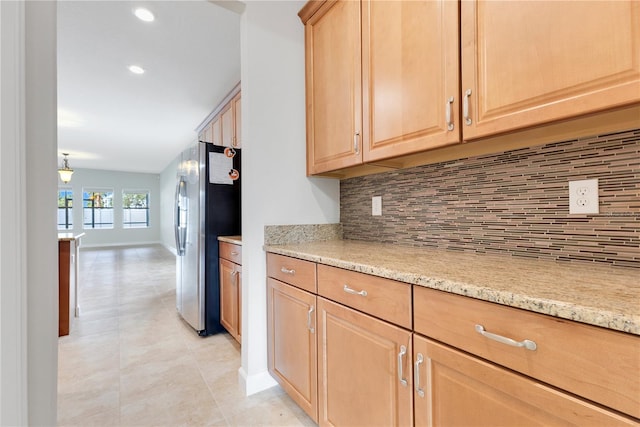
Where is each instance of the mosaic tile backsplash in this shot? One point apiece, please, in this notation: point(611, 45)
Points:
point(514, 202)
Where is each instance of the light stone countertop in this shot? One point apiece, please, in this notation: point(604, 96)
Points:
point(597, 295)
point(69, 236)
point(236, 240)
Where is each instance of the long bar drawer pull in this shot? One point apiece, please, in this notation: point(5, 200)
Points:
point(348, 290)
point(403, 351)
point(416, 375)
point(528, 344)
point(285, 270)
point(234, 253)
point(309, 327)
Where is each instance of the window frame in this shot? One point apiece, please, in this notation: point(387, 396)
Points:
point(92, 225)
point(68, 225)
point(128, 224)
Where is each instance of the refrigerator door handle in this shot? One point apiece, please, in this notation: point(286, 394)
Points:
point(179, 221)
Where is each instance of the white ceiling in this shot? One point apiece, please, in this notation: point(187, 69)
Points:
point(110, 118)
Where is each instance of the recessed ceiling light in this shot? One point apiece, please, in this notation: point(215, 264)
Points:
point(144, 14)
point(135, 69)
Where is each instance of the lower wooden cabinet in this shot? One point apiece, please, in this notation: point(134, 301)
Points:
point(364, 373)
point(231, 289)
point(292, 344)
point(457, 389)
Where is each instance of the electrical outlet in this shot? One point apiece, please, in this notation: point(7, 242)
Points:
point(583, 197)
point(376, 206)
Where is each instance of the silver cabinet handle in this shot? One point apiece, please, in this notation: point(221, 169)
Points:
point(403, 351)
point(465, 107)
point(234, 253)
point(356, 146)
point(528, 344)
point(285, 270)
point(348, 290)
point(311, 329)
point(416, 375)
point(447, 113)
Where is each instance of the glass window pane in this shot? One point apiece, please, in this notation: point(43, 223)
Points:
point(135, 209)
point(97, 209)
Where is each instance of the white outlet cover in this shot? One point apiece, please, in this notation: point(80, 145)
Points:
point(376, 206)
point(583, 197)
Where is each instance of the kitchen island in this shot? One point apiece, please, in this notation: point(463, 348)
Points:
point(68, 272)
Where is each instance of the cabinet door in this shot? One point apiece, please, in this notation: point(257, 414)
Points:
point(216, 131)
point(532, 62)
point(456, 389)
point(410, 76)
point(364, 373)
point(226, 123)
point(206, 135)
point(237, 121)
point(229, 285)
point(333, 81)
point(292, 344)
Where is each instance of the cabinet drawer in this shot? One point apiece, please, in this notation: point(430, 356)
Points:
point(231, 252)
point(384, 298)
point(596, 363)
point(293, 271)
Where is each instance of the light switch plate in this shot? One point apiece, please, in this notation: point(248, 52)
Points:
point(583, 197)
point(376, 205)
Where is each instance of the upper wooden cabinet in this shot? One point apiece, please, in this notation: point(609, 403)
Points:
point(527, 63)
point(237, 122)
point(374, 72)
point(383, 80)
point(334, 106)
point(410, 77)
point(216, 131)
point(224, 128)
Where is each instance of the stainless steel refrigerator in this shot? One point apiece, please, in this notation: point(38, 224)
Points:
point(207, 205)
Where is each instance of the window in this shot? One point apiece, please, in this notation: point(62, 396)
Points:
point(135, 209)
point(97, 209)
point(65, 209)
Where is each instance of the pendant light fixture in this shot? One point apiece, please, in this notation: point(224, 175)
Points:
point(65, 171)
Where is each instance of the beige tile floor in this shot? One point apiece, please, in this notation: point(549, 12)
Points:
point(131, 361)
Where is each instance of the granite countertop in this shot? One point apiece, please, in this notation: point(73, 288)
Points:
point(597, 295)
point(69, 236)
point(236, 240)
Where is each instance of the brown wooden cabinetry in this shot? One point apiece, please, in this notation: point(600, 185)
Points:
point(67, 255)
point(291, 320)
point(292, 344)
point(216, 131)
point(333, 91)
point(231, 288)
point(527, 63)
point(364, 373)
point(224, 129)
point(568, 355)
point(383, 77)
point(457, 389)
point(372, 95)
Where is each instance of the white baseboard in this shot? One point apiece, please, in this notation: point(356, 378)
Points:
point(171, 249)
point(252, 384)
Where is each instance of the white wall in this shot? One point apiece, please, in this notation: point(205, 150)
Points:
point(29, 341)
point(116, 181)
point(167, 194)
point(275, 188)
